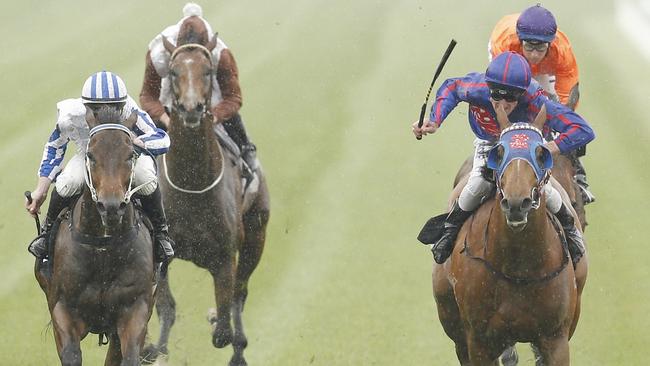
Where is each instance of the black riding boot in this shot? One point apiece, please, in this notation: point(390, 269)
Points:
point(235, 129)
point(445, 245)
point(572, 234)
point(581, 179)
point(39, 246)
point(164, 245)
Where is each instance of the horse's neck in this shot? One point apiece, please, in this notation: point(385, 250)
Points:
point(195, 157)
point(526, 252)
point(86, 218)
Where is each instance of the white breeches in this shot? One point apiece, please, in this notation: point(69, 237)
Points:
point(71, 180)
point(478, 188)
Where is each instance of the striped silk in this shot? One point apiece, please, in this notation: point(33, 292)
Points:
point(103, 87)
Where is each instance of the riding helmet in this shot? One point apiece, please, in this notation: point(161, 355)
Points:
point(509, 69)
point(103, 87)
point(536, 24)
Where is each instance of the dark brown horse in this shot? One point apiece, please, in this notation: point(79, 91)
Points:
point(102, 278)
point(510, 278)
point(215, 223)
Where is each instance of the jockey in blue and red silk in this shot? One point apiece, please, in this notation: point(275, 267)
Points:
point(507, 87)
point(102, 90)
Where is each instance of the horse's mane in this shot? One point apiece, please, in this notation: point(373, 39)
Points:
point(193, 30)
point(108, 114)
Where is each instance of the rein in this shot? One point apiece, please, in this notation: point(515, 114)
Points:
point(513, 279)
point(214, 184)
point(88, 175)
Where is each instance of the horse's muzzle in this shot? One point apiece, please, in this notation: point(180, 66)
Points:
point(111, 211)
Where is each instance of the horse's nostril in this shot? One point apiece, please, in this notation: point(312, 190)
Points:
point(181, 108)
point(101, 207)
point(526, 204)
point(122, 206)
point(200, 107)
point(505, 205)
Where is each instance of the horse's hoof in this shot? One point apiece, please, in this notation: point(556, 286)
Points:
point(150, 354)
point(237, 361)
point(221, 337)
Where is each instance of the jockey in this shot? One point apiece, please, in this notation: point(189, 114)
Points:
point(101, 90)
point(156, 94)
point(506, 86)
point(534, 34)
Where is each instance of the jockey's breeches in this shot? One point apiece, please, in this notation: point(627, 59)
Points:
point(71, 180)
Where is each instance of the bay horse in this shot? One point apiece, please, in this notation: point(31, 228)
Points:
point(510, 278)
point(215, 223)
point(101, 276)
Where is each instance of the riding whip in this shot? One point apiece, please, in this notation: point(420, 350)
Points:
point(28, 195)
point(450, 48)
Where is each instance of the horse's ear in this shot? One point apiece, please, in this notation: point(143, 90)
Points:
point(541, 118)
point(213, 42)
point(133, 118)
point(90, 118)
point(168, 45)
point(502, 118)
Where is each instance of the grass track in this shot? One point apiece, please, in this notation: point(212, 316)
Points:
point(330, 88)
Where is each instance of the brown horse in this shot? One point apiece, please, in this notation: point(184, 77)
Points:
point(509, 278)
point(102, 275)
point(215, 223)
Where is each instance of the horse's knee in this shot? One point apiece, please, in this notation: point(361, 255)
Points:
point(71, 355)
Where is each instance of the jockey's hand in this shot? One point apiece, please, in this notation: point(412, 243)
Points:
point(39, 194)
point(428, 127)
point(553, 148)
point(138, 142)
point(164, 120)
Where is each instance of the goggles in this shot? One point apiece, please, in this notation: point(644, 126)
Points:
point(531, 46)
point(508, 95)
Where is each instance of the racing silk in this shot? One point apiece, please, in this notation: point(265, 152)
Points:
point(574, 131)
point(71, 126)
point(156, 91)
point(559, 64)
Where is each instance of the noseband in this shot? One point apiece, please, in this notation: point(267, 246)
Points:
point(88, 176)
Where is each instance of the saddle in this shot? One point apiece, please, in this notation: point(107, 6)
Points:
point(250, 176)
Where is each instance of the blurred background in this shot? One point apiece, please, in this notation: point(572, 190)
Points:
point(330, 90)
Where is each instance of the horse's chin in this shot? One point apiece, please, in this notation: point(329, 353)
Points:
point(192, 125)
point(517, 226)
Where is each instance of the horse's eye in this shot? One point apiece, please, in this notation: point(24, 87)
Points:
point(90, 157)
point(173, 73)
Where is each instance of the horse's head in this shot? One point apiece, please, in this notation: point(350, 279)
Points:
point(110, 162)
point(522, 167)
point(191, 71)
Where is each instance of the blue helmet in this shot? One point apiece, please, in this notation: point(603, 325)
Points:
point(103, 87)
point(509, 69)
point(536, 24)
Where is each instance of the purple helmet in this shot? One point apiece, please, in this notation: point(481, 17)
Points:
point(536, 24)
point(509, 69)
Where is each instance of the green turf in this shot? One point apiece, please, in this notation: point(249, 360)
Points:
point(330, 89)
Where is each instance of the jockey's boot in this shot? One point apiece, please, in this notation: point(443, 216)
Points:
point(235, 129)
point(163, 244)
point(39, 246)
point(580, 178)
point(445, 245)
point(573, 235)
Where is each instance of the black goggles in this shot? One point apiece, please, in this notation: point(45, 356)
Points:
point(508, 95)
point(531, 46)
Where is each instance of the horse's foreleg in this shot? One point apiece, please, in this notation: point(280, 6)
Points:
point(131, 329)
point(67, 335)
point(480, 352)
point(166, 310)
point(223, 276)
point(114, 354)
point(553, 351)
point(250, 254)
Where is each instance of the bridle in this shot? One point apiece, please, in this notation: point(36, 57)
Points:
point(88, 176)
point(205, 114)
point(208, 54)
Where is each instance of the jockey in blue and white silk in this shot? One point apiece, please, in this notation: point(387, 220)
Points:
point(71, 126)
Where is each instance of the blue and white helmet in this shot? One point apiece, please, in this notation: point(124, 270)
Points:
point(103, 87)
